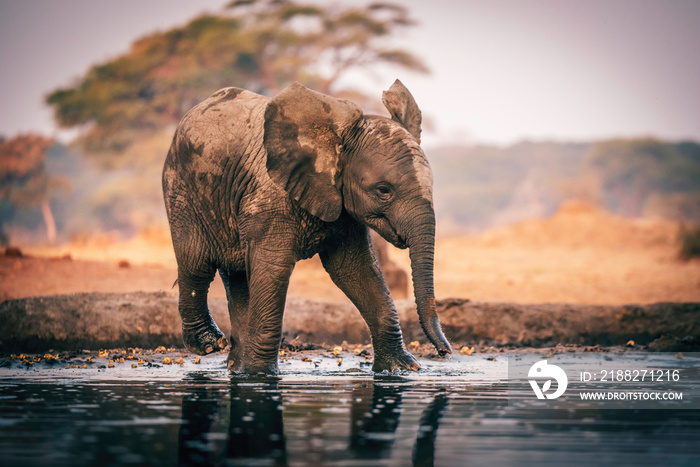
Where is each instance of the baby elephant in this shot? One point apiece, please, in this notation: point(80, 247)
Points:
point(254, 184)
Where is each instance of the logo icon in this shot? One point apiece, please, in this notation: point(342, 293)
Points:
point(552, 372)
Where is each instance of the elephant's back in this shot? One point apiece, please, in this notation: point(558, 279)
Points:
point(228, 124)
point(208, 169)
point(217, 142)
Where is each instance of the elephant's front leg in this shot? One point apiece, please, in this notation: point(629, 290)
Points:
point(354, 269)
point(269, 270)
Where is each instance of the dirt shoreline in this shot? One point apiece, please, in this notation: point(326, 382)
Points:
point(150, 319)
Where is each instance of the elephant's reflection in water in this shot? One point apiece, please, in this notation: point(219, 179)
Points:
point(200, 408)
point(424, 448)
point(256, 427)
point(374, 423)
point(374, 416)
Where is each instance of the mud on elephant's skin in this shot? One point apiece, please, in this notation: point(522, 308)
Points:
point(254, 184)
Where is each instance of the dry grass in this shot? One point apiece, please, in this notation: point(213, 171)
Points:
point(579, 255)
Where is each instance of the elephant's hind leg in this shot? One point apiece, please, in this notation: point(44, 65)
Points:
point(268, 279)
point(199, 331)
point(238, 296)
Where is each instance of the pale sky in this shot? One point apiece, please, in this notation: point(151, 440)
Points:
point(502, 70)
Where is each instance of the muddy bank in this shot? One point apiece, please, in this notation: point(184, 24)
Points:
point(147, 320)
point(552, 323)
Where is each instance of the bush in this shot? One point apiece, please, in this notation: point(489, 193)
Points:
point(689, 239)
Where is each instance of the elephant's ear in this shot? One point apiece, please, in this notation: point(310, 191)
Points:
point(303, 130)
point(403, 108)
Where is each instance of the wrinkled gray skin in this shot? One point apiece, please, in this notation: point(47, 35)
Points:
point(254, 184)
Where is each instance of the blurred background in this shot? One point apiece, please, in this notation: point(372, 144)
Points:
point(563, 135)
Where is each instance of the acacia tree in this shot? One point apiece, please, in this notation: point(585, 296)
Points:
point(23, 178)
point(261, 45)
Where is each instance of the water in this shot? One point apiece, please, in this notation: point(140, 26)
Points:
point(453, 413)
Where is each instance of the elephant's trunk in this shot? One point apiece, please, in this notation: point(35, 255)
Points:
point(421, 243)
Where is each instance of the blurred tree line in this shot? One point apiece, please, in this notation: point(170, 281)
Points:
point(25, 182)
point(484, 186)
point(475, 187)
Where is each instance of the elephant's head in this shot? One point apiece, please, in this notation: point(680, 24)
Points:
point(331, 157)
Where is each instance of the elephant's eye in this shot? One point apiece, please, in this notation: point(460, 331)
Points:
point(383, 192)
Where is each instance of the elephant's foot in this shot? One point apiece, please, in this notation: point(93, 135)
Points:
point(203, 338)
point(401, 360)
point(239, 364)
point(253, 368)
